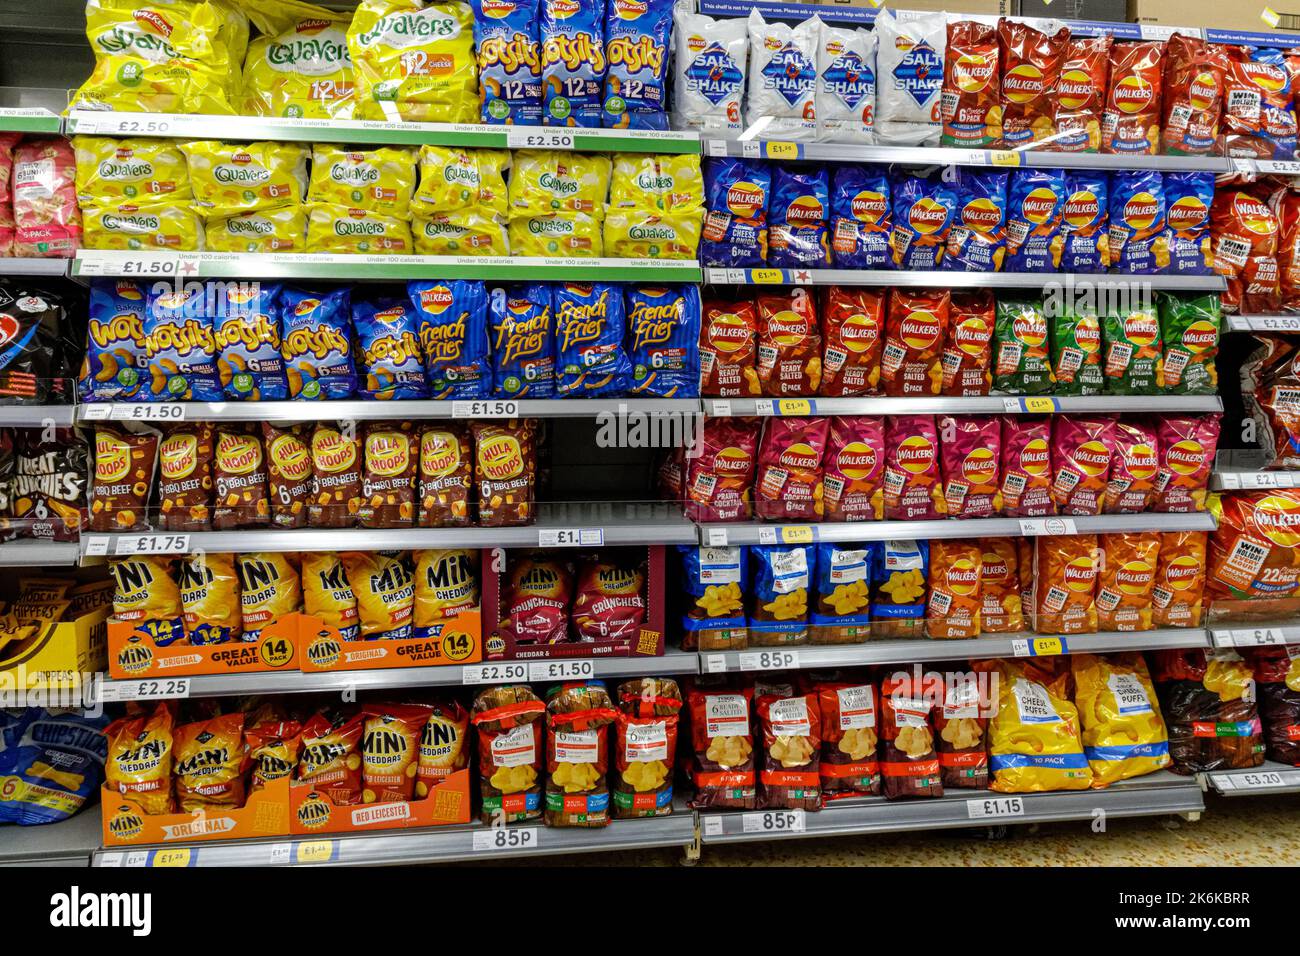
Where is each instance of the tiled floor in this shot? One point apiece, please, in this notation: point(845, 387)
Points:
point(1245, 831)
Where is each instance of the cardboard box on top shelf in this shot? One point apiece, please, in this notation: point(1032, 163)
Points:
point(1216, 15)
point(1003, 8)
point(1115, 11)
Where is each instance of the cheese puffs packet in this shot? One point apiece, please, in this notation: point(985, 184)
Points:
point(390, 355)
point(913, 486)
point(636, 47)
point(299, 66)
point(269, 589)
point(1065, 584)
point(1126, 580)
point(115, 366)
point(326, 593)
point(141, 750)
point(853, 469)
point(210, 602)
point(209, 764)
point(791, 721)
point(645, 747)
point(330, 759)
point(960, 730)
point(715, 581)
point(574, 61)
point(247, 329)
point(379, 180)
point(146, 595)
point(509, 62)
point(954, 605)
point(385, 594)
point(1001, 608)
point(511, 753)
point(722, 765)
point(1034, 742)
point(390, 742)
point(316, 343)
point(231, 178)
point(781, 582)
point(909, 762)
point(849, 761)
point(1124, 734)
point(446, 586)
point(578, 717)
point(843, 588)
point(444, 745)
point(181, 344)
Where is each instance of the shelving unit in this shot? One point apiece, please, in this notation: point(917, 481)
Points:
point(70, 842)
point(1261, 634)
point(36, 416)
point(940, 405)
point(901, 278)
point(40, 268)
point(34, 552)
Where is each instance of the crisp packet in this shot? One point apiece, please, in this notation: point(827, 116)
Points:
point(789, 344)
point(644, 234)
point(1026, 467)
point(1139, 241)
point(453, 332)
point(1134, 359)
point(972, 115)
point(1189, 327)
point(590, 326)
point(1080, 94)
point(860, 219)
point(719, 479)
point(342, 230)
point(230, 178)
point(1031, 69)
point(247, 328)
point(853, 469)
point(968, 345)
point(299, 67)
point(173, 228)
point(663, 327)
point(283, 229)
point(1188, 197)
point(916, 325)
point(1131, 123)
point(1023, 365)
point(853, 327)
point(841, 614)
point(1034, 239)
point(556, 235)
point(846, 85)
point(924, 211)
point(913, 489)
point(112, 171)
point(378, 180)
point(181, 345)
point(116, 354)
point(1082, 448)
point(1085, 223)
point(780, 580)
point(1187, 446)
point(1133, 467)
point(971, 452)
point(509, 61)
point(1126, 580)
point(316, 343)
point(783, 77)
point(574, 61)
point(521, 327)
point(1076, 350)
point(388, 343)
point(709, 62)
point(788, 483)
point(728, 349)
point(636, 45)
point(899, 572)
point(465, 232)
point(978, 238)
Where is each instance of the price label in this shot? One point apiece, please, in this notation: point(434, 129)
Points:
point(712, 824)
point(995, 807)
point(716, 538)
point(1282, 167)
point(715, 664)
point(95, 413)
point(153, 544)
point(495, 409)
point(1246, 167)
point(721, 409)
point(1041, 404)
point(766, 276)
point(148, 412)
point(170, 688)
point(178, 856)
point(1004, 157)
point(715, 147)
point(769, 660)
point(751, 149)
point(795, 406)
point(798, 534)
point(774, 821)
point(561, 670)
point(137, 858)
point(513, 839)
point(1229, 481)
point(116, 124)
point(317, 851)
point(1037, 527)
point(1258, 780)
point(570, 537)
point(279, 854)
point(1039, 647)
point(778, 150)
point(519, 137)
point(1256, 637)
point(158, 264)
point(501, 673)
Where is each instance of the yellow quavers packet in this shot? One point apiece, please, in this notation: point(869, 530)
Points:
point(414, 61)
point(300, 66)
point(452, 179)
point(668, 183)
point(560, 234)
point(129, 227)
point(644, 234)
point(164, 56)
point(232, 178)
point(264, 230)
point(546, 181)
point(343, 231)
point(377, 180)
point(466, 232)
point(139, 171)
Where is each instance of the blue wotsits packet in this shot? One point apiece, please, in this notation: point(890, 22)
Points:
point(1188, 197)
point(182, 346)
point(116, 366)
point(860, 218)
point(388, 343)
point(590, 327)
point(736, 194)
point(509, 61)
point(572, 34)
point(520, 319)
point(1139, 242)
point(977, 241)
point(663, 327)
point(1085, 221)
point(636, 46)
point(1034, 220)
point(52, 763)
point(247, 326)
point(316, 342)
point(453, 330)
point(924, 210)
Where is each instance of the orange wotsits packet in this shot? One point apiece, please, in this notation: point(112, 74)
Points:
point(1180, 579)
point(1131, 123)
point(955, 603)
point(1001, 609)
point(972, 115)
point(1065, 581)
point(1126, 580)
point(1079, 97)
point(1031, 69)
point(853, 333)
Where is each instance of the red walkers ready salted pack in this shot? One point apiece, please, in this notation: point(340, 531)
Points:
point(1131, 123)
point(788, 485)
point(969, 343)
point(1031, 69)
point(972, 115)
point(719, 478)
point(1193, 94)
point(915, 326)
point(1081, 451)
point(1026, 465)
point(789, 345)
point(913, 489)
point(853, 468)
point(1080, 94)
point(1187, 447)
point(971, 450)
point(853, 333)
point(728, 349)
point(1244, 236)
point(1133, 467)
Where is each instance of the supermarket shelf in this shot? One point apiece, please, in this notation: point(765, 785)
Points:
point(959, 280)
point(718, 535)
point(1255, 634)
point(1263, 323)
point(945, 156)
point(38, 553)
point(67, 843)
point(1152, 795)
point(20, 266)
point(423, 845)
point(989, 405)
point(360, 410)
point(29, 120)
point(365, 268)
point(585, 524)
point(1269, 777)
point(198, 126)
point(1239, 480)
point(401, 678)
point(979, 648)
point(35, 416)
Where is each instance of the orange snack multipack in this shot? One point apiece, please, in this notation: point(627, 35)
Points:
point(1126, 579)
point(916, 325)
point(1065, 579)
point(789, 345)
point(728, 349)
point(1080, 94)
point(1131, 123)
point(1031, 69)
point(1180, 579)
point(1001, 609)
point(853, 332)
point(972, 114)
point(955, 602)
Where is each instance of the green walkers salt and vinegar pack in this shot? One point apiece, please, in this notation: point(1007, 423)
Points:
point(181, 346)
point(316, 342)
point(1076, 352)
point(388, 342)
point(1133, 363)
point(1190, 327)
point(521, 324)
point(453, 330)
point(116, 366)
point(1021, 349)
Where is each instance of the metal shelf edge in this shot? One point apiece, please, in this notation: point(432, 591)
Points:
point(1254, 781)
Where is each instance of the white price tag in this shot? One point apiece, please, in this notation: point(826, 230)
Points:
point(1255, 637)
point(148, 412)
point(721, 409)
point(109, 859)
point(154, 265)
point(769, 660)
point(1259, 479)
point(136, 858)
point(1229, 481)
point(1245, 166)
point(493, 409)
point(774, 821)
point(279, 854)
point(764, 406)
point(1258, 780)
point(570, 537)
point(715, 664)
point(751, 149)
point(153, 544)
point(501, 672)
point(767, 535)
point(712, 824)
point(995, 807)
point(561, 670)
point(513, 839)
point(1282, 167)
point(522, 137)
point(170, 688)
point(1011, 404)
point(121, 124)
point(96, 413)
point(1020, 648)
point(716, 537)
point(1037, 527)
point(96, 546)
point(715, 147)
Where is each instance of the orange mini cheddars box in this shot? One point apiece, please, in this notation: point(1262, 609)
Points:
point(313, 811)
point(125, 822)
point(134, 653)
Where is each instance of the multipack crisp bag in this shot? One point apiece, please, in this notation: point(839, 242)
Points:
point(853, 468)
point(1001, 607)
point(299, 67)
point(168, 226)
point(1080, 94)
point(330, 759)
point(645, 747)
point(327, 595)
point(282, 229)
point(916, 325)
point(1244, 231)
point(978, 237)
point(1187, 447)
point(840, 614)
point(909, 63)
point(1034, 741)
point(578, 717)
point(1188, 198)
point(509, 61)
point(663, 327)
point(1076, 350)
point(714, 581)
point(850, 735)
point(924, 213)
point(789, 344)
point(574, 61)
point(385, 592)
point(1031, 67)
point(1133, 468)
point(1176, 599)
point(1085, 222)
point(736, 193)
point(316, 343)
point(899, 572)
point(719, 479)
point(141, 750)
point(389, 353)
point(913, 488)
point(269, 589)
point(783, 77)
point(116, 360)
point(788, 483)
point(960, 726)
point(1082, 448)
point(1034, 209)
point(521, 327)
point(1190, 327)
point(465, 232)
point(140, 171)
point(145, 592)
point(390, 750)
point(860, 217)
point(181, 345)
point(729, 349)
point(589, 332)
point(336, 477)
point(452, 328)
point(710, 58)
point(1023, 362)
point(1139, 238)
point(846, 85)
point(230, 178)
point(1126, 579)
point(954, 605)
point(378, 180)
point(971, 458)
point(414, 61)
point(791, 724)
point(1065, 584)
point(444, 746)
point(637, 47)
point(1134, 356)
point(781, 580)
point(798, 211)
point(346, 230)
point(249, 352)
point(1131, 123)
point(445, 476)
point(722, 738)
point(853, 322)
point(909, 762)
point(511, 752)
point(968, 346)
point(1193, 95)
point(1123, 731)
point(1259, 113)
point(46, 221)
point(972, 85)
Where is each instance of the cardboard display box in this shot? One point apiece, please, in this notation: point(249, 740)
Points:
point(456, 641)
point(266, 813)
point(132, 653)
point(58, 654)
point(312, 811)
point(1215, 15)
